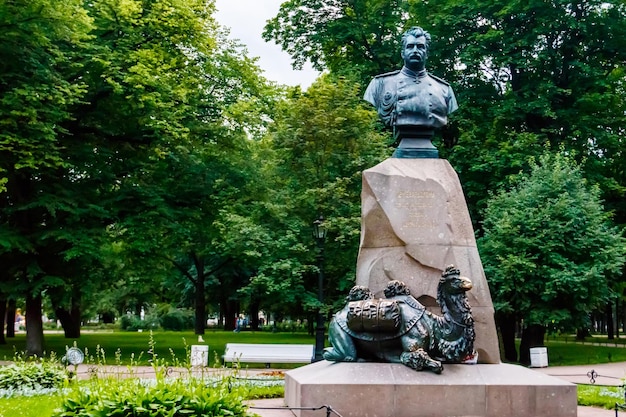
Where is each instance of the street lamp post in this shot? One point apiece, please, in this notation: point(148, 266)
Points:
point(319, 234)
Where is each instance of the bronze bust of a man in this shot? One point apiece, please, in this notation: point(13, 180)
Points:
point(411, 101)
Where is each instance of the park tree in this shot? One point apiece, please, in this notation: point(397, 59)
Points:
point(321, 141)
point(141, 89)
point(356, 38)
point(39, 45)
point(190, 216)
point(96, 97)
point(550, 251)
point(184, 208)
point(527, 75)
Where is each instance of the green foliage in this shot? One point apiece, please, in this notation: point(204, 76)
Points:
point(162, 398)
point(177, 320)
point(24, 376)
point(529, 74)
point(40, 40)
point(45, 405)
point(215, 395)
point(358, 38)
point(550, 252)
point(328, 132)
point(313, 157)
point(134, 323)
point(600, 396)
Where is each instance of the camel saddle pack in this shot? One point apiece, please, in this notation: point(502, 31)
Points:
point(380, 318)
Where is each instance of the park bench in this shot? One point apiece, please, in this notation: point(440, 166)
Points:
point(268, 353)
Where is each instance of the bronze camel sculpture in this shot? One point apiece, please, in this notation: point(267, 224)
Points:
point(399, 329)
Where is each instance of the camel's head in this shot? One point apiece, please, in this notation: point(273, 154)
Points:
point(452, 282)
point(358, 293)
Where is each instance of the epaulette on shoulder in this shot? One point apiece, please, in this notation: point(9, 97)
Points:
point(439, 79)
point(387, 74)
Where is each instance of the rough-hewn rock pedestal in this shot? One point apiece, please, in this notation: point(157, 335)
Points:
point(393, 390)
point(414, 223)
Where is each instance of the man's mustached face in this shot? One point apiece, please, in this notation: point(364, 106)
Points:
point(414, 51)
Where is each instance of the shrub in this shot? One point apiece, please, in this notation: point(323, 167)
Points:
point(157, 398)
point(176, 319)
point(126, 322)
point(134, 323)
point(28, 378)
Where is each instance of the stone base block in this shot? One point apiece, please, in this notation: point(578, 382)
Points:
point(393, 390)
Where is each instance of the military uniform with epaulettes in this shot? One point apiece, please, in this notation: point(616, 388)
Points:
point(406, 98)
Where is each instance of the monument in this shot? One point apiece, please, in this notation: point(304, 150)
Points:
point(415, 225)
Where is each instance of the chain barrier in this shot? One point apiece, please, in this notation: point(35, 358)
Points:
point(328, 408)
point(593, 376)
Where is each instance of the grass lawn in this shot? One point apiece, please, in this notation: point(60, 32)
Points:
point(137, 344)
point(600, 396)
point(562, 353)
point(38, 406)
point(596, 338)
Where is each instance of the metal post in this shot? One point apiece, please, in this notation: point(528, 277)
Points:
point(320, 328)
point(319, 233)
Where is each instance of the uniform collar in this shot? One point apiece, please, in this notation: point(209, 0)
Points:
point(413, 74)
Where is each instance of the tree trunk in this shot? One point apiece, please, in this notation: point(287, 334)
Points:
point(34, 326)
point(199, 296)
point(200, 301)
point(506, 323)
point(532, 336)
point(231, 311)
point(610, 330)
point(623, 316)
point(11, 307)
point(254, 315)
point(3, 317)
point(310, 324)
point(581, 334)
point(70, 320)
point(617, 320)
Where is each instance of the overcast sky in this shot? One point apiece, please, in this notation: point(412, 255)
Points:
point(246, 19)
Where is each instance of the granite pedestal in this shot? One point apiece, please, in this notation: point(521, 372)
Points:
point(393, 390)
